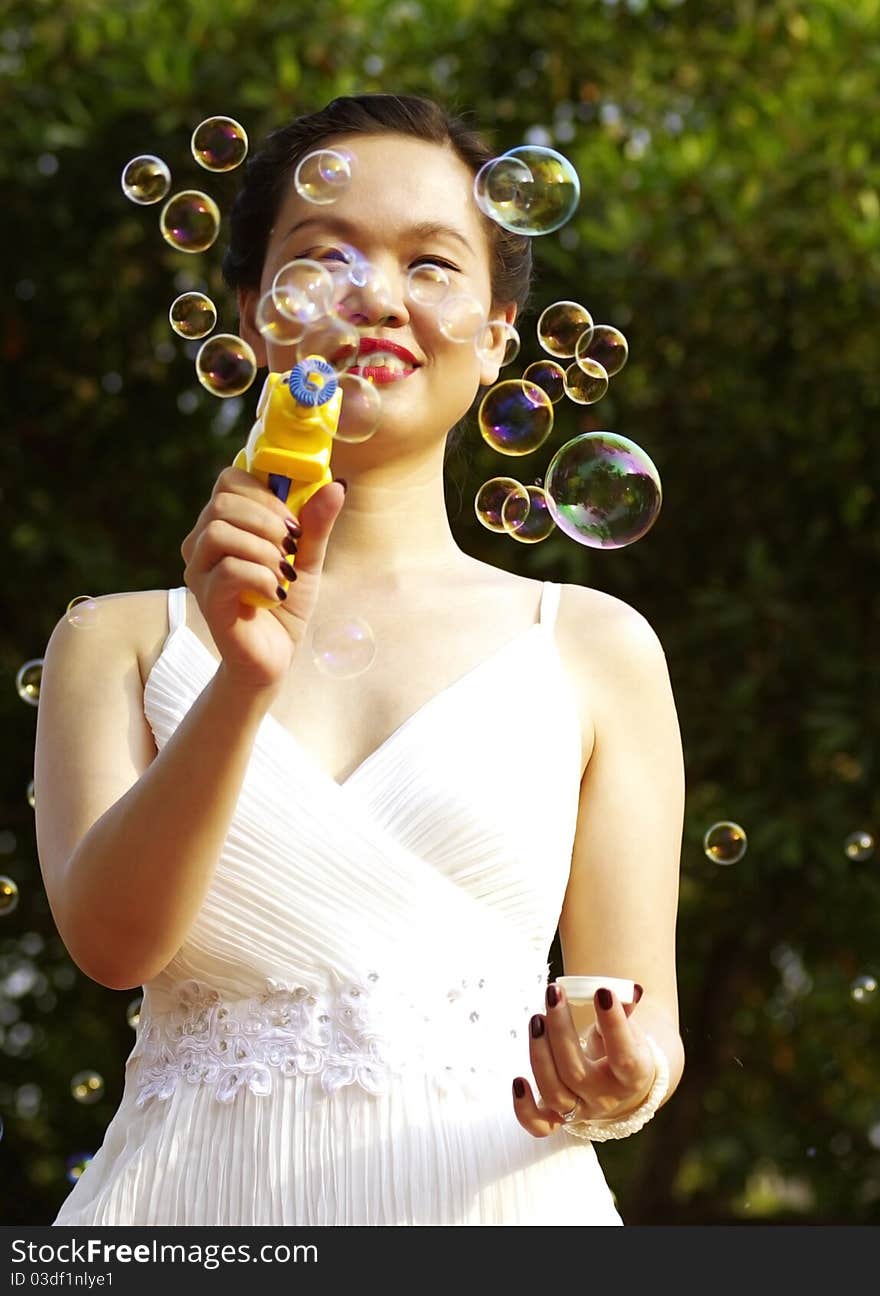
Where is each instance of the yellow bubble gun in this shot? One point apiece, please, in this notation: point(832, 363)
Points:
point(289, 445)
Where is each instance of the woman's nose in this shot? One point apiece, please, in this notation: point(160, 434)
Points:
point(371, 296)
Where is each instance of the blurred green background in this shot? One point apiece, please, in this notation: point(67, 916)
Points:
point(729, 224)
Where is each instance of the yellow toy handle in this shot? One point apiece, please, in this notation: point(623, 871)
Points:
point(289, 445)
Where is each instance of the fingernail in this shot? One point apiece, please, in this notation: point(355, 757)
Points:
point(553, 996)
point(604, 998)
point(637, 993)
point(287, 571)
point(342, 482)
point(289, 545)
point(536, 1026)
point(519, 1088)
point(281, 593)
point(293, 527)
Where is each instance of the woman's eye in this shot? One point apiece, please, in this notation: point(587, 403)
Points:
point(435, 261)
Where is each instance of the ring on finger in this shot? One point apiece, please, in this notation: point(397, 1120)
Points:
point(570, 1115)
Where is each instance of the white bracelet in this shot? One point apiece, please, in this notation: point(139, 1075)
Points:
point(598, 1130)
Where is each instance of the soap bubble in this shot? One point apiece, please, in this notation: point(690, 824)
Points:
point(604, 490)
point(515, 417)
point(460, 317)
point(586, 382)
point(29, 794)
point(82, 612)
point(219, 144)
point(493, 335)
point(76, 1164)
point(725, 842)
point(192, 315)
point(491, 498)
point(343, 647)
point(334, 339)
point(605, 344)
point(427, 285)
point(8, 896)
point(190, 221)
point(303, 290)
point(363, 294)
point(561, 326)
point(133, 1011)
point(863, 989)
point(859, 846)
point(323, 176)
point(28, 680)
point(528, 190)
point(146, 179)
point(274, 325)
point(549, 376)
point(226, 365)
point(528, 524)
point(87, 1087)
point(361, 409)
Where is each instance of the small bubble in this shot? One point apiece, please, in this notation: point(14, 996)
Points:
point(8, 896)
point(82, 612)
point(490, 500)
point(28, 679)
point(190, 221)
point(605, 345)
point(133, 1012)
point(859, 846)
point(343, 647)
point(192, 315)
point(226, 365)
point(461, 317)
point(427, 285)
point(29, 794)
point(725, 842)
point(529, 190)
point(497, 333)
point(532, 524)
point(863, 989)
point(87, 1087)
point(76, 1164)
point(549, 376)
point(323, 176)
point(515, 417)
point(586, 382)
point(146, 179)
point(561, 326)
point(219, 144)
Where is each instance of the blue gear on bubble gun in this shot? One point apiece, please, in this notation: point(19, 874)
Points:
point(289, 445)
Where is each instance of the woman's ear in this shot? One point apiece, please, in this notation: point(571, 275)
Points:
point(492, 356)
point(247, 307)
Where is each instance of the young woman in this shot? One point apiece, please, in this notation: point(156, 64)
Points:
point(338, 894)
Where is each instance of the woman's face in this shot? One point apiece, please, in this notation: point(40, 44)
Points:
point(409, 203)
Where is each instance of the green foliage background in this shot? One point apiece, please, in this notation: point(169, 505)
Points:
point(729, 155)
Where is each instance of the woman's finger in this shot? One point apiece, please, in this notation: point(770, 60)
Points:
point(556, 1093)
point(628, 1055)
point(538, 1121)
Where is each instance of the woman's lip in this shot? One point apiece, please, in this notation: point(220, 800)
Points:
point(379, 374)
point(369, 345)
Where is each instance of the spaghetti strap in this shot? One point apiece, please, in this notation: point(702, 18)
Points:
point(549, 604)
point(176, 608)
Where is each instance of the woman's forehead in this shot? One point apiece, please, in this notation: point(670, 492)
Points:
point(397, 181)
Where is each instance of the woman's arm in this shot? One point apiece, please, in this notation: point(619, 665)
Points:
point(620, 908)
point(128, 840)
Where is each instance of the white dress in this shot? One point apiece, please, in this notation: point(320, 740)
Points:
point(335, 1041)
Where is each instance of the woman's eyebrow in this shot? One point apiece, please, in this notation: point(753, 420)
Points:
point(420, 230)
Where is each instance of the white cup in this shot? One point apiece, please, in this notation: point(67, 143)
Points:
point(581, 989)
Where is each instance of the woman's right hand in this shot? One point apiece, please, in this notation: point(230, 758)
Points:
point(236, 545)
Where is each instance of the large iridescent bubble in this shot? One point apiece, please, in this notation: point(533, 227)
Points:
point(604, 491)
point(528, 190)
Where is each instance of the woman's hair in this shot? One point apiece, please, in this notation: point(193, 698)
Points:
point(269, 171)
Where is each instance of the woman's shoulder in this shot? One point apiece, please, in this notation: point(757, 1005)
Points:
point(133, 620)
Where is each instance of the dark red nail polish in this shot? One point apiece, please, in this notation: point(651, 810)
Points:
point(293, 527)
point(637, 993)
point(289, 545)
point(536, 1026)
point(287, 571)
point(519, 1088)
point(281, 593)
point(342, 482)
point(605, 998)
point(553, 996)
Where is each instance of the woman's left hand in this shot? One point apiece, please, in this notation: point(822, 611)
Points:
point(607, 1079)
